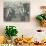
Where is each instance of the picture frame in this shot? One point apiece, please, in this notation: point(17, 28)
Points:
point(17, 11)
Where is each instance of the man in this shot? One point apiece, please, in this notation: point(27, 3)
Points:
point(11, 14)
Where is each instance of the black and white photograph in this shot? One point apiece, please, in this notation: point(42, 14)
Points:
point(17, 11)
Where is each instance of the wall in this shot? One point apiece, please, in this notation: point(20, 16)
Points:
point(25, 28)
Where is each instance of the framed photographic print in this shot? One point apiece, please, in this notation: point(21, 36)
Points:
point(17, 11)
